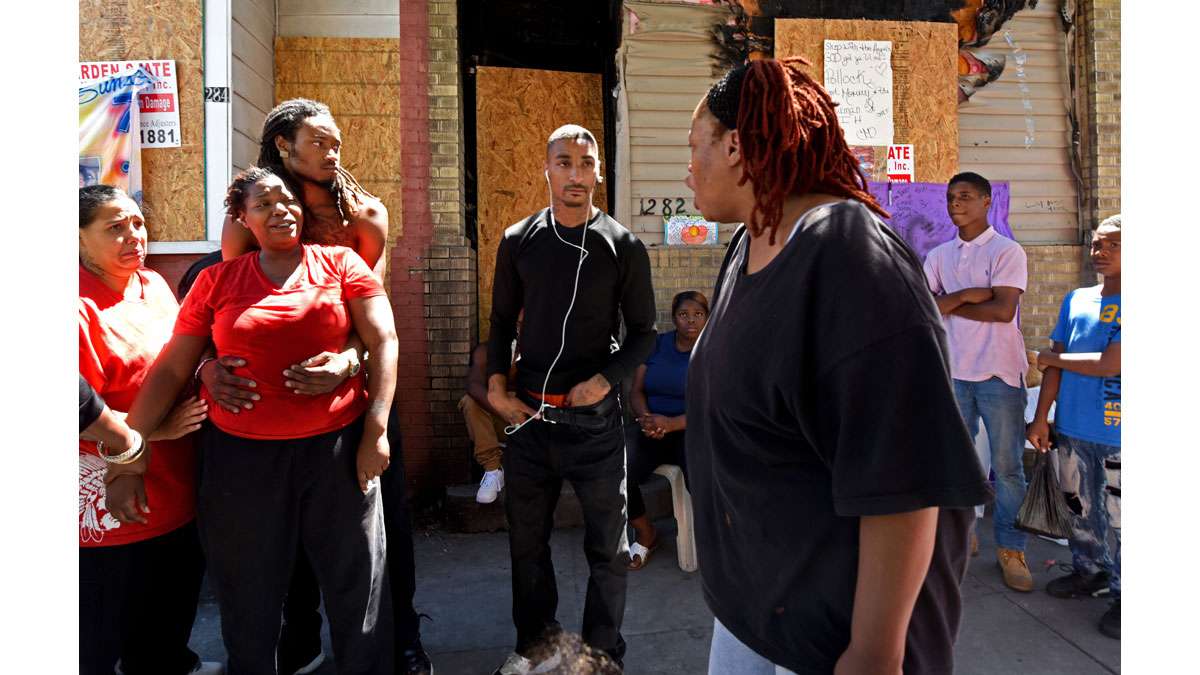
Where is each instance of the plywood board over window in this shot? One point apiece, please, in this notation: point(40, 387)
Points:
point(516, 111)
point(359, 79)
point(128, 30)
point(925, 79)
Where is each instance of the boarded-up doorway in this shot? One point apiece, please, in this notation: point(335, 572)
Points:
point(516, 110)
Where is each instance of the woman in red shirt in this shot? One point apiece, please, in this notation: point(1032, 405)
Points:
point(292, 470)
point(128, 609)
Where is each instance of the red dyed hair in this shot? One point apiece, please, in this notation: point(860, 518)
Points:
point(791, 142)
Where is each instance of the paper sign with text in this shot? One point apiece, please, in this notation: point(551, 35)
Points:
point(158, 103)
point(901, 166)
point(858, 76)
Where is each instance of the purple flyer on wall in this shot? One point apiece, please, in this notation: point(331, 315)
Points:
point(919, 212)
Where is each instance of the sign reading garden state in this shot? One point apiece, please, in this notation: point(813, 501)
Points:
point(158, 100)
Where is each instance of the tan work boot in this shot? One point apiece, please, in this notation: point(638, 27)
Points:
point(1016, 572)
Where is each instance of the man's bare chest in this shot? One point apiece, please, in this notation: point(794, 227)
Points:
point(325, 226)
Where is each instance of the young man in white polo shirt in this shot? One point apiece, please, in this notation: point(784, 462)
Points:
point(977, 279)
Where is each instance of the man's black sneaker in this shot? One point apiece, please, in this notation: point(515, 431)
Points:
point(414, 661)
point(1076, 585)
point(1110, 623)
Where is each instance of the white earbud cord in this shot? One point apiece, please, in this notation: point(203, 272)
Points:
point(562, 345)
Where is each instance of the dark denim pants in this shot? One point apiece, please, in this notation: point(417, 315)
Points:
point(1090, 476)
point(1002, 409)
point(540, 456)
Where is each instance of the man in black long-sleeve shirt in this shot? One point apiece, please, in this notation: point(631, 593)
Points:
point(577, 273)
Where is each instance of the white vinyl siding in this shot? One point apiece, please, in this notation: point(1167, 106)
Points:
point(253, 83)
point(665, 67)
point(340, 18)
point(992, 129)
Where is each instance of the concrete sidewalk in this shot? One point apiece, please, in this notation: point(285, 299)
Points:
point(463, 584)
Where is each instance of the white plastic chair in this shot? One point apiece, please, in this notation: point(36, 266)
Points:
point(681, 501)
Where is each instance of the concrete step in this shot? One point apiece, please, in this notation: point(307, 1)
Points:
point(464, 514)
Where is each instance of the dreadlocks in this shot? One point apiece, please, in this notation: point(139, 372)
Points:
point(791, 142)
point(283, 120)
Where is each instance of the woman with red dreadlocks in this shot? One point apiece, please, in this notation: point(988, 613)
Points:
point(831, 473)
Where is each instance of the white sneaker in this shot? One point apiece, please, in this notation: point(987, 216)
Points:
point(490, 486)
point(516, 664)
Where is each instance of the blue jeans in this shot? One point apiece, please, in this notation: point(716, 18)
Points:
point(730, 656)
point(1002, 409)
point(1090, 476)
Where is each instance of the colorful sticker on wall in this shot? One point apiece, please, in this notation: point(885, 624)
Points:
point(919, 212)
point(689, 230)
point(978, 21)
point(864, 155)
point(158, 102)
point(109, 149)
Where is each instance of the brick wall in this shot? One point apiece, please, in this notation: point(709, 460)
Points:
point(1053, 271)
point(1098, 59)
point(450, 285)
point(433, 277)
point(677, 269)
point(408, 256)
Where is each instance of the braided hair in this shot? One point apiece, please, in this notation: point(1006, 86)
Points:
point(284, 120)
point(791, 142)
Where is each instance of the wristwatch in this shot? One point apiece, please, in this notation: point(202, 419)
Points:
point(355, 366)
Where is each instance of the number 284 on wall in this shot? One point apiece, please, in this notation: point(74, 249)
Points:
point(666, 207)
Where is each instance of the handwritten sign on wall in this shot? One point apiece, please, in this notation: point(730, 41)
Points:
point(858, 76)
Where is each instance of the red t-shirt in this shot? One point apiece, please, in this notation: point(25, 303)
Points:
point(118, 340)
point(272, 328)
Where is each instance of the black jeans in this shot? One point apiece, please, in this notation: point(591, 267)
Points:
point(301, 611)
point(261, 500)
point(137, 602)
point(645, 455)
point(539, 457)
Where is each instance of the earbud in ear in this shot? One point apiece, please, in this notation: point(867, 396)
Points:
point(546, 173)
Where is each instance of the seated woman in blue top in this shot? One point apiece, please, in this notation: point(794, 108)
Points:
point(657, 401)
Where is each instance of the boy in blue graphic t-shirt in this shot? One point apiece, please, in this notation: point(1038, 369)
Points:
point(1083, 372)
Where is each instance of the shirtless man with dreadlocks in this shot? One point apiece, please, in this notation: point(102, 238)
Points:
point(301, 141)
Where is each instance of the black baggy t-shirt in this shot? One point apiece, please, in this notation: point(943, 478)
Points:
point(820, 392)
point(536, 264)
